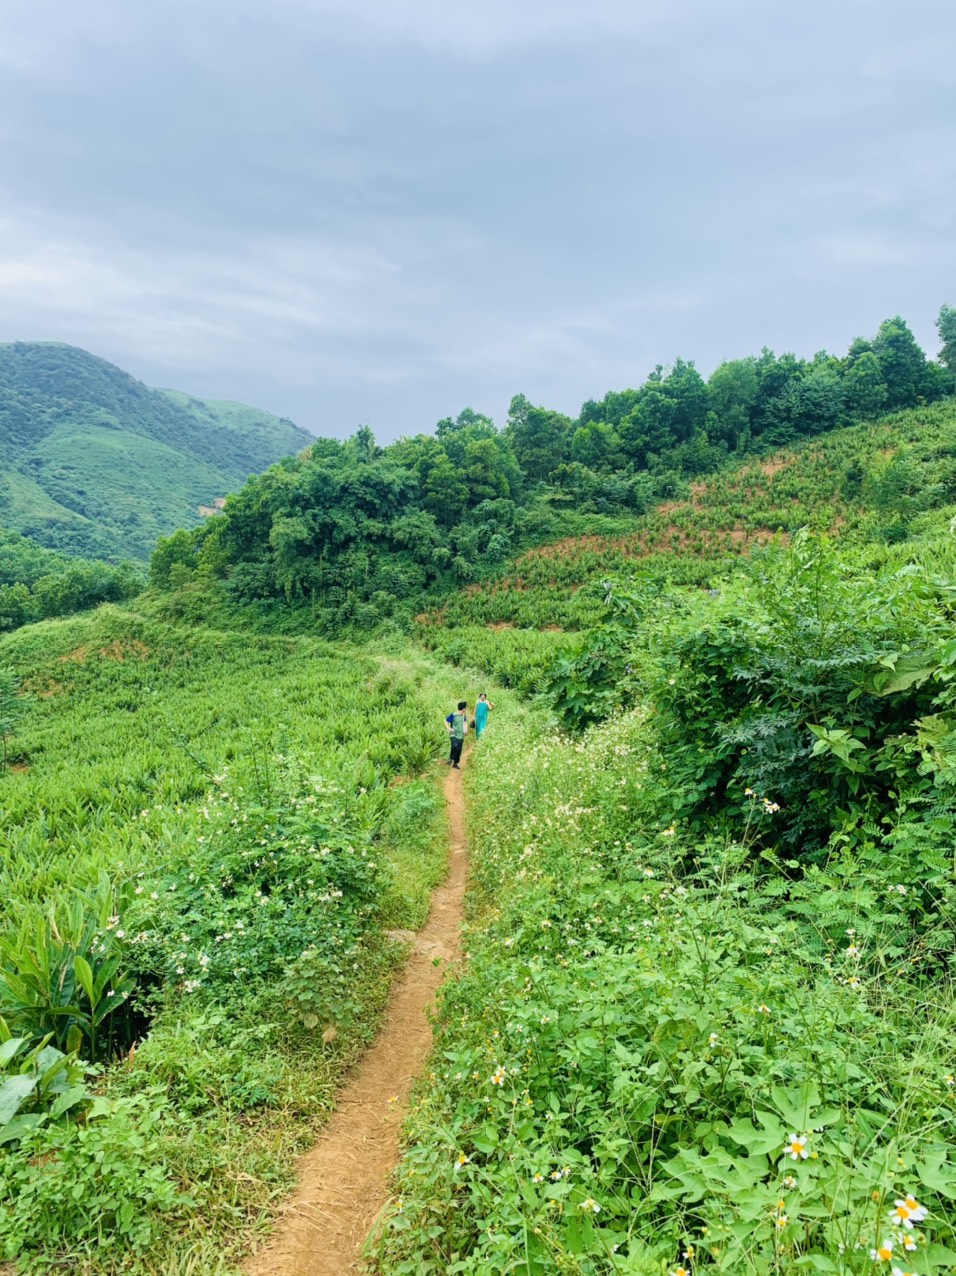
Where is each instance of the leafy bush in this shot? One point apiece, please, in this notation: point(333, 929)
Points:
point(37, 1083)
point(805, 678)
point(62, 976)
point(73, 1184)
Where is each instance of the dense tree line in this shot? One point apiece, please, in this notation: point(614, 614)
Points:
point(355, 527)
point(37, 583)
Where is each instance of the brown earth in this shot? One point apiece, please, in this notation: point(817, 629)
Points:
point(116, 650)
point(344, 1180)
point(77, 656)
point(774, 465)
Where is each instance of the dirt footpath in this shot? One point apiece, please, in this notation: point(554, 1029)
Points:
point(343, 1180)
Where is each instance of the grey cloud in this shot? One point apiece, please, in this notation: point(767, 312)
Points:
point(377, 211)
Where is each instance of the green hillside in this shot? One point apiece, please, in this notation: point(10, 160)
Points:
point(704, 1022)
point(96, 463)
point(352, 533)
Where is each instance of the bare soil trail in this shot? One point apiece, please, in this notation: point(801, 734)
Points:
point(343, 1180)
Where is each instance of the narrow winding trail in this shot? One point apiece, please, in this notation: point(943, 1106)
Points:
point(343, 1180)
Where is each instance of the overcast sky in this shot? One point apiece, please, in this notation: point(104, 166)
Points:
point(380, 211)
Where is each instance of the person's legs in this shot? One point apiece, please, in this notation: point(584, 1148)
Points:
point(456, 752)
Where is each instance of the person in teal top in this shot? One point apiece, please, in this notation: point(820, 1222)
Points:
point(482, 709)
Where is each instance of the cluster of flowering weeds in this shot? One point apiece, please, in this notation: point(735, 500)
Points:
point(262, 883)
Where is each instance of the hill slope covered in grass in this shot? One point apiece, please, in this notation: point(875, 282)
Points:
point(355, 533)
point(96, 463)
point(886, 488)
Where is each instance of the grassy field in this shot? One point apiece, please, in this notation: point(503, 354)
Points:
point(219, 828)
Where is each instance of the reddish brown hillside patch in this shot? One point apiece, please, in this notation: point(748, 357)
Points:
point(43, 689)
point(569, 547)
point(430, 617)
point(774, 465)
point(77, 656)
point(119, 651)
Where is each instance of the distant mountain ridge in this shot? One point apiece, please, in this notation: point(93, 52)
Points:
point(94, 462)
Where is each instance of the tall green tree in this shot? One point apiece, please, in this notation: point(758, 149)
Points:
point(596, 445)
point(540, 437)
point(946, 327)
point(733, 390)
point(902, 363)
point(864, 390)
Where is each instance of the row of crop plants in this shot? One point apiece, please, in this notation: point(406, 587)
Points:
point(202, 850)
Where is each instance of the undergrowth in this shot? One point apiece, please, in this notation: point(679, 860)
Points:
point(664, 1057)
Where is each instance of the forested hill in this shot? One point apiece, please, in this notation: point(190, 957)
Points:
point(358, 532)
point(94, 462)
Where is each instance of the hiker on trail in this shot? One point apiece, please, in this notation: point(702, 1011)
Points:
point(457, 724)
point(482, 709)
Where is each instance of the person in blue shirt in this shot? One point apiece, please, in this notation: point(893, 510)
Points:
point(457, 724)
point(482, 709)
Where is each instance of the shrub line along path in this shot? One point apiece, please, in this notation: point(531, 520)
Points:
point(344, 1179)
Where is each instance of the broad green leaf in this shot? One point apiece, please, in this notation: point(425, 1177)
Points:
point(12, 1093)
point(9, 1048)
point(84, 973)
point(68, 1099)
point(20, 1125)
point(760, 1142)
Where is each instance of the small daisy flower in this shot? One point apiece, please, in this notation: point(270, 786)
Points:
point(796, 1147)
point(590, 1206)
point(883, 1253)
point(907, 1212)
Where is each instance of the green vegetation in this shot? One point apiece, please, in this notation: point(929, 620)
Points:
point(870, 484)
point(95, 463)
point(354, 534)
point(708, 1017)
point(37, 583)
point(193, 945)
